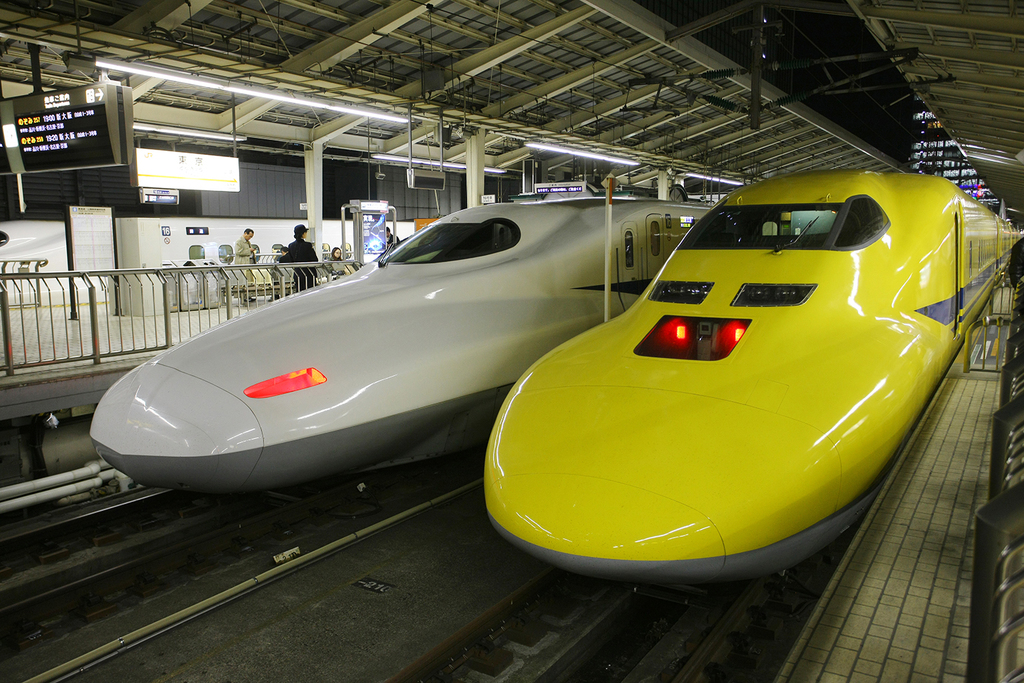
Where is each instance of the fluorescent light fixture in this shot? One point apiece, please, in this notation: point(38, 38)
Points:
point(1009, 161)
point(427, 162)
point(717, 180)
point(578, 153)
point(187, 133)
point(227, 86)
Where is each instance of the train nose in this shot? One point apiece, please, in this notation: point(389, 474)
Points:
point(164, 427)
point(639, 533)
point(635, 477)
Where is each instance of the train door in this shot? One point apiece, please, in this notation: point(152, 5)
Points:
point(658, 226)
point(958, 275)
point(632, 263)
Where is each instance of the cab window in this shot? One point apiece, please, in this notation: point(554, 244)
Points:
point(763, 226)
point(864, 222)
point(456, 241)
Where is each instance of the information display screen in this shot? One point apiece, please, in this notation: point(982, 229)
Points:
point(83, 127)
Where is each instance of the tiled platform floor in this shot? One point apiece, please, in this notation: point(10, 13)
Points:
point(897, 608)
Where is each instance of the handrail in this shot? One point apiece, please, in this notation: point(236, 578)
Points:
point(985, 322)
point(131, 311)
point(997, 589)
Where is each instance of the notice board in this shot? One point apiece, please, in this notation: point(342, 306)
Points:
point(90, 232)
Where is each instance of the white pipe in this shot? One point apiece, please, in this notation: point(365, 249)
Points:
point(54, 494)
point(18, 490)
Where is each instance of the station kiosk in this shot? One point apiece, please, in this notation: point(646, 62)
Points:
point(369, 219)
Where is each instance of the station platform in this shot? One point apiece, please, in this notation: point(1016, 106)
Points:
point(898, 606)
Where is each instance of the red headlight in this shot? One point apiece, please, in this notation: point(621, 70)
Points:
point(293, 381)
point(692, 338)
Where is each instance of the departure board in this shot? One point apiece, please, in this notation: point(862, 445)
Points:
point(83, 127)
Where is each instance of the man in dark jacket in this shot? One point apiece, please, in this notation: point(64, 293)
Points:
point(1016, 267)
point(301, 251)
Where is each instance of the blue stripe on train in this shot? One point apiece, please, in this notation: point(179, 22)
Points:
point(944, 312)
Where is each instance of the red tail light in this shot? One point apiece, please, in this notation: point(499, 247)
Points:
point(692, 338)
point(285, 384)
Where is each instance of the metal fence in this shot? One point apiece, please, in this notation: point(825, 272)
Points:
point(997, 589)
point(75, 316)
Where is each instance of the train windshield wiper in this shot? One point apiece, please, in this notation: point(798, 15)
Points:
point(779, 247)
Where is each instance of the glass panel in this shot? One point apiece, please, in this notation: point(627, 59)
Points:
point(764, 226)
point(196, 251)
point(456, 241)
point(629, 248)
point(864, 222)
point(226, 253)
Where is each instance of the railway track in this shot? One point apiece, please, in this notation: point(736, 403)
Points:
point(565, 628)
point(67, 570)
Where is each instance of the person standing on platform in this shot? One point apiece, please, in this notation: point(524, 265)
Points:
point(301, 251)
point(244, 254)
point(1016, 267)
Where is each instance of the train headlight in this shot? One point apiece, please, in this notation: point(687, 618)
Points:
point(687, 338)
point(674, 292)
point(285, 384)
point(773, 295)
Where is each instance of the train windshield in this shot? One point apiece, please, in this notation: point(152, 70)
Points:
point(764, 226)
point(456, 241)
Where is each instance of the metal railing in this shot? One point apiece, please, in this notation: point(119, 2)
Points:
point(82, 316)
point(997, 316)
point(997, 589)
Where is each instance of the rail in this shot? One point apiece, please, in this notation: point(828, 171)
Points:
point(91, 316)
point(997, 315)
point(997, 590)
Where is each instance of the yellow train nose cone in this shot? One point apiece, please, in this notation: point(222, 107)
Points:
point(547, 516)
point(619, 477)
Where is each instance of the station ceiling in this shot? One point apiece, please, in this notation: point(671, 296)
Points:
point(604, 76)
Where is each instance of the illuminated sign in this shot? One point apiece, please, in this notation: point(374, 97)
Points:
point(183, 171)
point(552, 188)
point(197, 231)
point(83, 127)
point(368, 206)
point(149, 195)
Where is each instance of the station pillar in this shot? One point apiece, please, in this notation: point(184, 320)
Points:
point(475, 168)
point(314, 158)
point(663, 183)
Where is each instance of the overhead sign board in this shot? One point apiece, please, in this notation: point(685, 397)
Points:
point(83, 127)
point(183, 171)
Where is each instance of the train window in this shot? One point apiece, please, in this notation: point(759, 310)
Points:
point(629, 248)
point(196, 252)
point(455, 241)
point(864, 222)
point(763, 226)
point(226, 253)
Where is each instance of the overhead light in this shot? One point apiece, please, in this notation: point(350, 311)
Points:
point(228, 86)
point(578, 153)
point(183, 132)
point(1020, 156)
point(427, 162)
point(717, 180)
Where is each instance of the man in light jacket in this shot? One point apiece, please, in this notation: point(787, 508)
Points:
point(244, 254)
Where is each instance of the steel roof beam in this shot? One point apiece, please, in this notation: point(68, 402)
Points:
point(985, 80)
point(167, 14)
point(1014, 101)
point(582, 118)
point(351, 40)
point(1014, 60)
point(980, 23)
point(560, 84)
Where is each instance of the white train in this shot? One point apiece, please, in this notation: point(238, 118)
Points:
point(408, 358)
point(34, 239)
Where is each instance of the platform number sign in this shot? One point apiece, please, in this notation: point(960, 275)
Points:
point(375, 586)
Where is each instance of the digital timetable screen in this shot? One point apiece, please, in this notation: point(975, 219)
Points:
point(83, 127)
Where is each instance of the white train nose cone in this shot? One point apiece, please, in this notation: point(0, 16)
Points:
point(163, 427)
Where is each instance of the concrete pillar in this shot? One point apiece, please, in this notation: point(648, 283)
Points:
point(315, 194)
point(663, 183)
point(475, 168)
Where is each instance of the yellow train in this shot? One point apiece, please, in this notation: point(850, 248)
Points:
point(747, 409)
